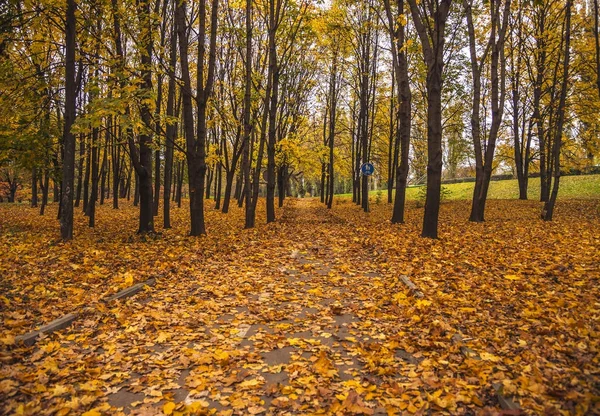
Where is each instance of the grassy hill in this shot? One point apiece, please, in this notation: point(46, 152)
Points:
point(571, 187)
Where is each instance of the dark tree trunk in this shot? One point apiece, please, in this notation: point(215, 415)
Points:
point(136, 190)
point(68, 172)
point(171, 132)
point(104, 168)
point(432, 42)
point(178, 197)
point(228, 187)
point(484, 160)
point(155, 203)
point(80, 168)
point(34, 190)
point(548, 211)
point(56, 192)
point(246, 157)
point(209, 179)
point(86, 179)
point(196, 145)
point(116, 168)
point(44, 184)
point(333, 98)
point(91, 205)
point(391, 142)
point(274, 11)
point(403, 121)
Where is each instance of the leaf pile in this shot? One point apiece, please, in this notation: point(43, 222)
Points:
point(307, 315)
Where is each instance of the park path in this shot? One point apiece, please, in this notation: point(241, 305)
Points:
point(292, 343)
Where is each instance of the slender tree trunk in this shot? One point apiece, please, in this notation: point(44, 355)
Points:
point(230, 175)
point(497, 64)
point(432, 42)
point(548, 211)
point(157, 144)
point(246, 156)
point(196, 146)
point(80, 168)
point(91, 205)
point(44, 184)
point(333, 97)
point(34, 190)
point(104, 168)
point(403, 121)
point(171, 131)
point(68, 172)
point(116, 168)
point(393, 127)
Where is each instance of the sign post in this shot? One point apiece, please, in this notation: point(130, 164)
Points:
point(367, 169)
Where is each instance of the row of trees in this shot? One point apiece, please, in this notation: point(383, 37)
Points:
point(232, 97)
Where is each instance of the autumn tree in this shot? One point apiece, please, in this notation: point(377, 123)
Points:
point(205, 75)
point(484, 155)
point(68, 169)
point(396, 24)
point(429, 17)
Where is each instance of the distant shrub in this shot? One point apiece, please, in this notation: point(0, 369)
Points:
point(422, 195)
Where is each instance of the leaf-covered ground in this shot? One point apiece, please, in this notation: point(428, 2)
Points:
point(307, 315)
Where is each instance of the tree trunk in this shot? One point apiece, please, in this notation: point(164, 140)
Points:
point(432, 42)
point(228, 187)
point(171, 131)
point(80, 168)
point(333, 97)
point(34, 190)
point(548, 211)
point(196, 146)
point(44, 184)
point(91, 205)
point(68, 171)
point(403, 122)
point(483, 170)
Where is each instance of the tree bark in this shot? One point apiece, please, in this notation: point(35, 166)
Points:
point(548, 211)
point(68, 171)
point(34, 190)
point(196, 145)
point(400, 63)
point(432, 42)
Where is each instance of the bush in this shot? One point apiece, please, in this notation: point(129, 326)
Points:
point(422, 195)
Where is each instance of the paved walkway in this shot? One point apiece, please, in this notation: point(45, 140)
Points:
point(291, 346)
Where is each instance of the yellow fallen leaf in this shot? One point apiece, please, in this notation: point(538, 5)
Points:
point(324, 367)
point(252, 383)
point(489, 357)
point(512, 277)
point(168, 408)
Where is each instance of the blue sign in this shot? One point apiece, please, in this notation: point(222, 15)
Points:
point(367, 169)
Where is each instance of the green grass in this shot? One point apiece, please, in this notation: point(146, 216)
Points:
point(571, 187)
